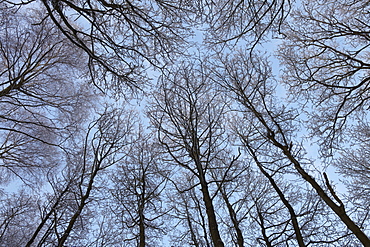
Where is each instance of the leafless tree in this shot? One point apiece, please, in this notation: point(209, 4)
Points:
point(17, 218)
point(136, 201)
point(270, 137)
point(327, 74)
point(188, 214)
point(190, 116)
point(43, 100)
point(120, 38)
point(326, 66)
point(247, 22)
point(227, 164)
point(61, 215)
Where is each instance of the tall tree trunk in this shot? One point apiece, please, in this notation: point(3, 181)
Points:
point(234, 220)
point(211, 215)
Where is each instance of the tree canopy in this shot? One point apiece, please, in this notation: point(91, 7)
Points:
point(184, 123)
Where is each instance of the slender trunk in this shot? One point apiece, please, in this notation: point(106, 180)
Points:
point(293, 216)
point(239, 234)
point(212, 222)
point(188, 218)
point(83, 203)
point(210, 211)
point(142, 218)
point(47, 216)
point(263, 228)
point(141, 229)
point(338, 210)
point(285, 148)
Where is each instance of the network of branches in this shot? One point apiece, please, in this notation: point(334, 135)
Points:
point(184, 123)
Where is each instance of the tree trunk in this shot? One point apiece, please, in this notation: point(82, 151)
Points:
point(212, 222)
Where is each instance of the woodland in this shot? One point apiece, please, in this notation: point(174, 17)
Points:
point(184, 123)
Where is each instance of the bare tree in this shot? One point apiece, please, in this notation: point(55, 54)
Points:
point(62, 214)
point(43, 99)
point(105, 145)
point(270, 136)
point(189, 116)
point(43, 104)
point(227, 164)
point(326, 65)
point(248, 22)
point(120, 38)
point(326, 71)
point(188, 212)
point(136, 202)
point(17, 218)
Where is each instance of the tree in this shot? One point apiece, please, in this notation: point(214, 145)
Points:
point(326, 66)
point(225, 160)
point(189, 116)
point(43, 99)
point(136, 200)
point(327, 72)
point(271, 133)
point(230, 22)
point(67, 210)
point(120, 38)
point(17, 218)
